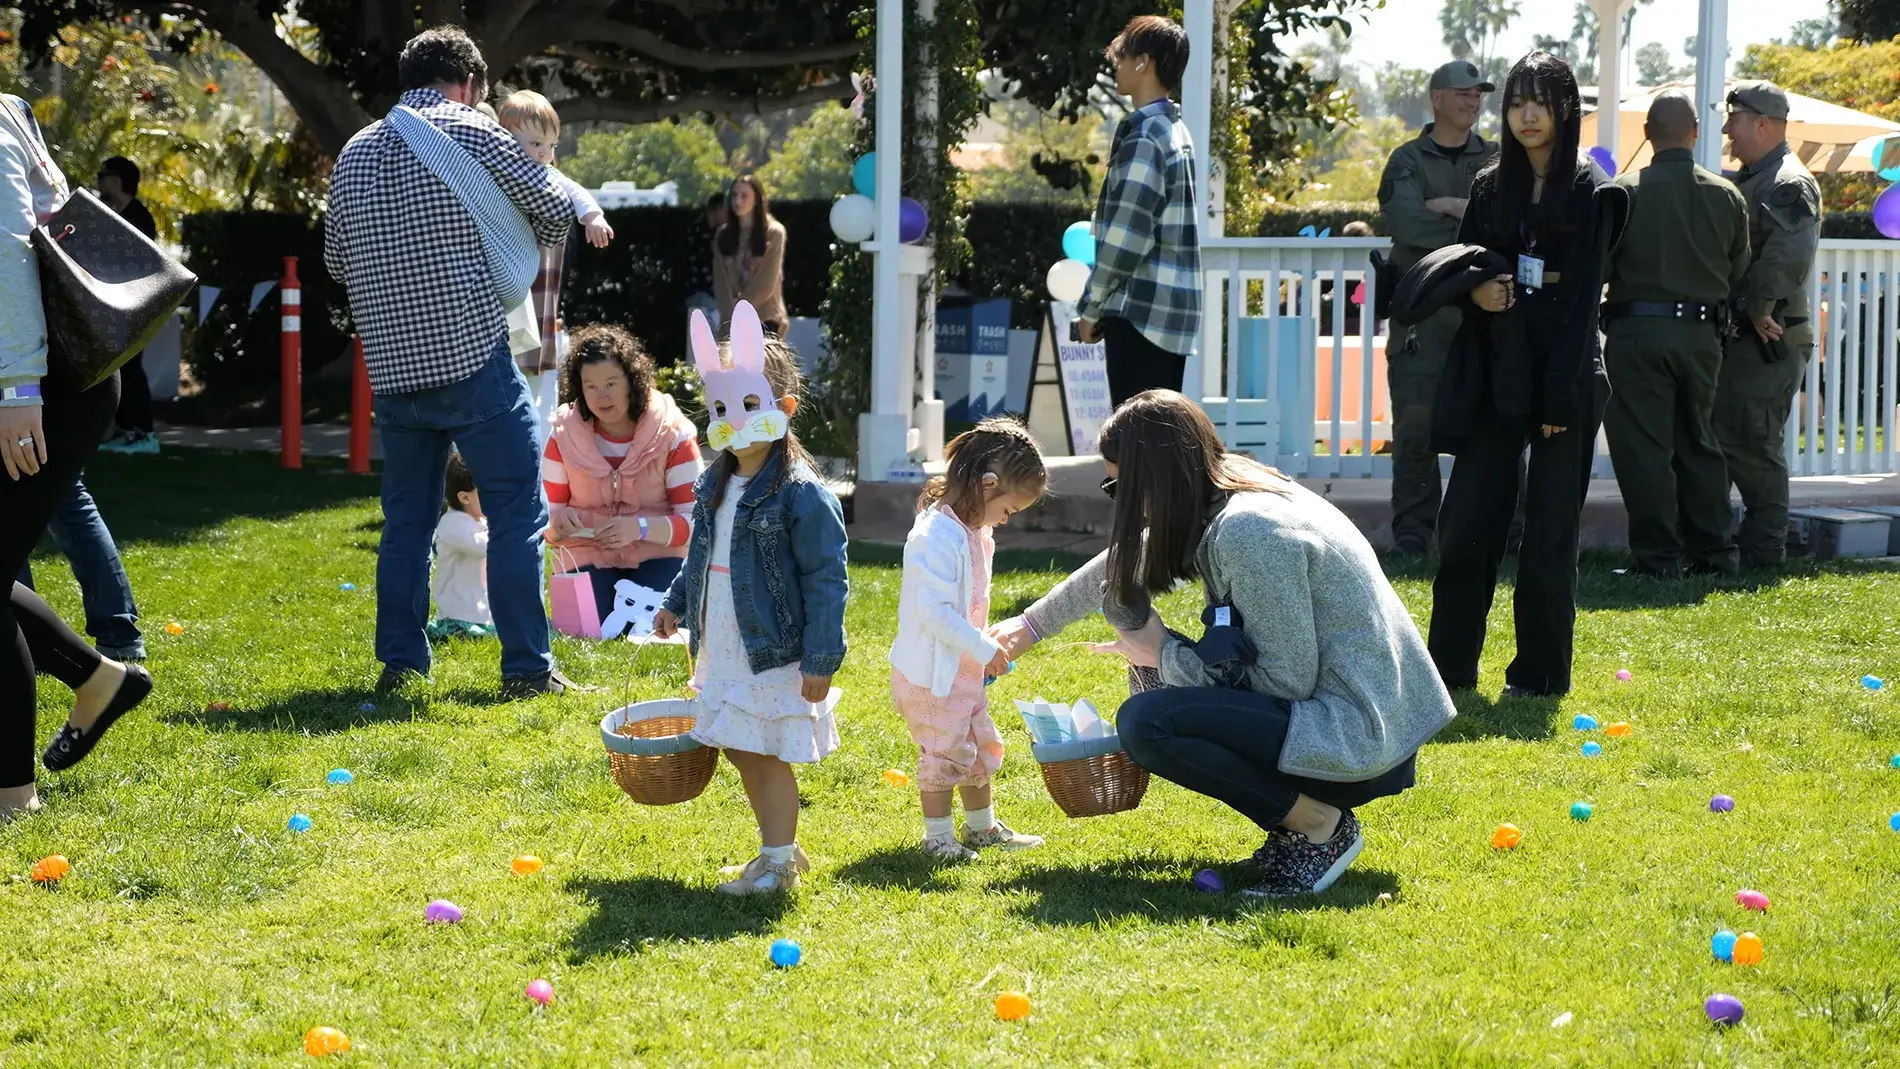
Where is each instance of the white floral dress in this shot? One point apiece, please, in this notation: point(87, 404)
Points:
point(764, 713)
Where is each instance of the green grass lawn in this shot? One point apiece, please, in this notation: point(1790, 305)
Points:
point(196, 930)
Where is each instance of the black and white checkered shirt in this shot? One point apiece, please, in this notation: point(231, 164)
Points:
point(411, 254)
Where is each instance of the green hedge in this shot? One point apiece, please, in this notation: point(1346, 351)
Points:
point(642, 280)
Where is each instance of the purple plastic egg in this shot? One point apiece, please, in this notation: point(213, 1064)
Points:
point(1208, 882)
point(1723, 1009)
point(442, 911)
point(1721, 803)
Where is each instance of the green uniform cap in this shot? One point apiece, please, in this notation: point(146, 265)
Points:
point(1463, 74)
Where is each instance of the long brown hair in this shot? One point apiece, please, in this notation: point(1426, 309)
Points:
point(781, 373)
point(1170, 464)
point(999, 446)
point(761, 216)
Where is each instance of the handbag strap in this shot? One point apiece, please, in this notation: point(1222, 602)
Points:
point(27, 129)
point(508, 242)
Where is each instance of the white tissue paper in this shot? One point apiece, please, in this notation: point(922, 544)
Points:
point(1049, 723)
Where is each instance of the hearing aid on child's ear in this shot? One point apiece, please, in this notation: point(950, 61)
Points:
point(741, 408)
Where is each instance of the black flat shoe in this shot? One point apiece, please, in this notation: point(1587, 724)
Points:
point(71, 745)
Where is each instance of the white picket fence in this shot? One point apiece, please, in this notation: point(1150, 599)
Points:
point(1309, 395)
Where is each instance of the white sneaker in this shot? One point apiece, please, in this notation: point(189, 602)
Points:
point(760, 877)
point(946, 848)
point(800, 863)
point(999, 834)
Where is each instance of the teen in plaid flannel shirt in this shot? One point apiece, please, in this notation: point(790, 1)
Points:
point(435, 338)
point(1144, 296)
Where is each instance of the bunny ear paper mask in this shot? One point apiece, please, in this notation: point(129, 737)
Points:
point(740, 405)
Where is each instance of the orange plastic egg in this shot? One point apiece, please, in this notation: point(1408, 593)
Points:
point(51, 869)
point(218, 707)
point(1012, 1006)
point(1618, 729)
point(324, 1041)
point(1506, 837)
point(894, 778)
point(527, 865)
point(1748, 949)
point(174, 628)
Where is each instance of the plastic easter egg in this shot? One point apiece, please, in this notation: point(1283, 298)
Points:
point(1581, 811)
point(526, 865)
point(51, 869)
point(1384, 899)
point(1723, 1009)
point(894, 778)
point(346, 587)
point(1208, 882)
point(1754, 900)
point(1748, 949)
point(1721, 803)
point(1506, 837)
point(225, 707)
point(341, 777)
point(324, 1041)
point(1012, 1006)
point(1592, 748)
point(442, 911)
point(1872, 682)
point(1618, 730)
point(174, 628)
point(1584, 722)
point(299, 823)
point(786, 953)
point(1894, 822)
point(366, 707)
point(1623, 675)
point(540, 991)
point(1894, 760)
point(1722, 945)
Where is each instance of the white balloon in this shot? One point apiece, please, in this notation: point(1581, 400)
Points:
point(1068, 280)
point(854, 217)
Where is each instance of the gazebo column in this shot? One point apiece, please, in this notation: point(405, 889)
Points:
point(1610, 70)
point(1711, 79)
point(884, 431)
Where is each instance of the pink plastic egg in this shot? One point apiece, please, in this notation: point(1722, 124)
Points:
point(541, 991)
point(1754, 900)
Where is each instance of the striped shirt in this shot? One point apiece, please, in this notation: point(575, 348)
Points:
point(1147, 245)
point(682, 470)
point(411, 254)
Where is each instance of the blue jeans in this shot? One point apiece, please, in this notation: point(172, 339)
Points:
point(111, 617)
point(489, 417)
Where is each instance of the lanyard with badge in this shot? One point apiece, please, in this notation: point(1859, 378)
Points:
point(1530, 266)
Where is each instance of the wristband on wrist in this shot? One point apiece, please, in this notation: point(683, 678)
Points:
point(643, 528)
point(1031, 626)
point(21, 392)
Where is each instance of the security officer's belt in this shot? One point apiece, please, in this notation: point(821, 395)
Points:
point(1689, 310)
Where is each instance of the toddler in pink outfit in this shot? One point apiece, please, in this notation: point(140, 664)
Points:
point(941, 656)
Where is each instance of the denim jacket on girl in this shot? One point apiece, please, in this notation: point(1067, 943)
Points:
point(788, 570)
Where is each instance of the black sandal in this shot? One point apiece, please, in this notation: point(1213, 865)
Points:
point(71, 745)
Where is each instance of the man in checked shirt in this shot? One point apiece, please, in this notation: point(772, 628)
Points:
point(1144, 296)
point(435, 338)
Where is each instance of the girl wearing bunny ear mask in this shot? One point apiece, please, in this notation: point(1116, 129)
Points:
point(763, 591)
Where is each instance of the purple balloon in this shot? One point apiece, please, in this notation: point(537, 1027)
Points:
point(1604, 160)
point(1723, 1009)
point(912, 221)
point(442, 911)
point(1887, 212)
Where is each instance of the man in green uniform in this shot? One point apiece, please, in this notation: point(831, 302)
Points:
point(1769, 346)
point(1684, 252)
point(1422, 197)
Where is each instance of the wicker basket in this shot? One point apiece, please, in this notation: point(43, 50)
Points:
point(1091, 777)
point(654, 759)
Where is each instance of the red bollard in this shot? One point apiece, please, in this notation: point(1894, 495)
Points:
point(290, 292)
point(359, 413)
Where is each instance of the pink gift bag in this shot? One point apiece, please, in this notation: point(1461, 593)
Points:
point(571, 598)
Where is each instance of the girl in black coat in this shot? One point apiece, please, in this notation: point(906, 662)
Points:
point(1554, 216)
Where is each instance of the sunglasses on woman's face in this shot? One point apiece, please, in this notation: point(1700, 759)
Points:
point(1108, 487)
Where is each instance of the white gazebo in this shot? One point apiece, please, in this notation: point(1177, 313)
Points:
point(901, 432)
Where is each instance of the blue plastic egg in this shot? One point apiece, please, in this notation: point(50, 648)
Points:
point(1592, 748)
point(1584, 722)
point(347, 587)
point(1872, 682)
point(1580, 811)
point(341, 777)
point(785, 953)
point(1723, 945)
point(1894, 822)
point(298, 823)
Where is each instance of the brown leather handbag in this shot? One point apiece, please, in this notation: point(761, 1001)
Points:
point(106, 287)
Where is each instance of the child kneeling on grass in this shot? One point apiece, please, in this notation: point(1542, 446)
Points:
point(460, 583)
point(762, 591)
point(942, 655)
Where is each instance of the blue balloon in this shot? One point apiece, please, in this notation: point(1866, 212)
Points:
point(864, 175)
point(1887, 159)
point(912, 221)
point(1604, 159)
point(1723, 945)
point(1078, 242)
point(785, 953)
